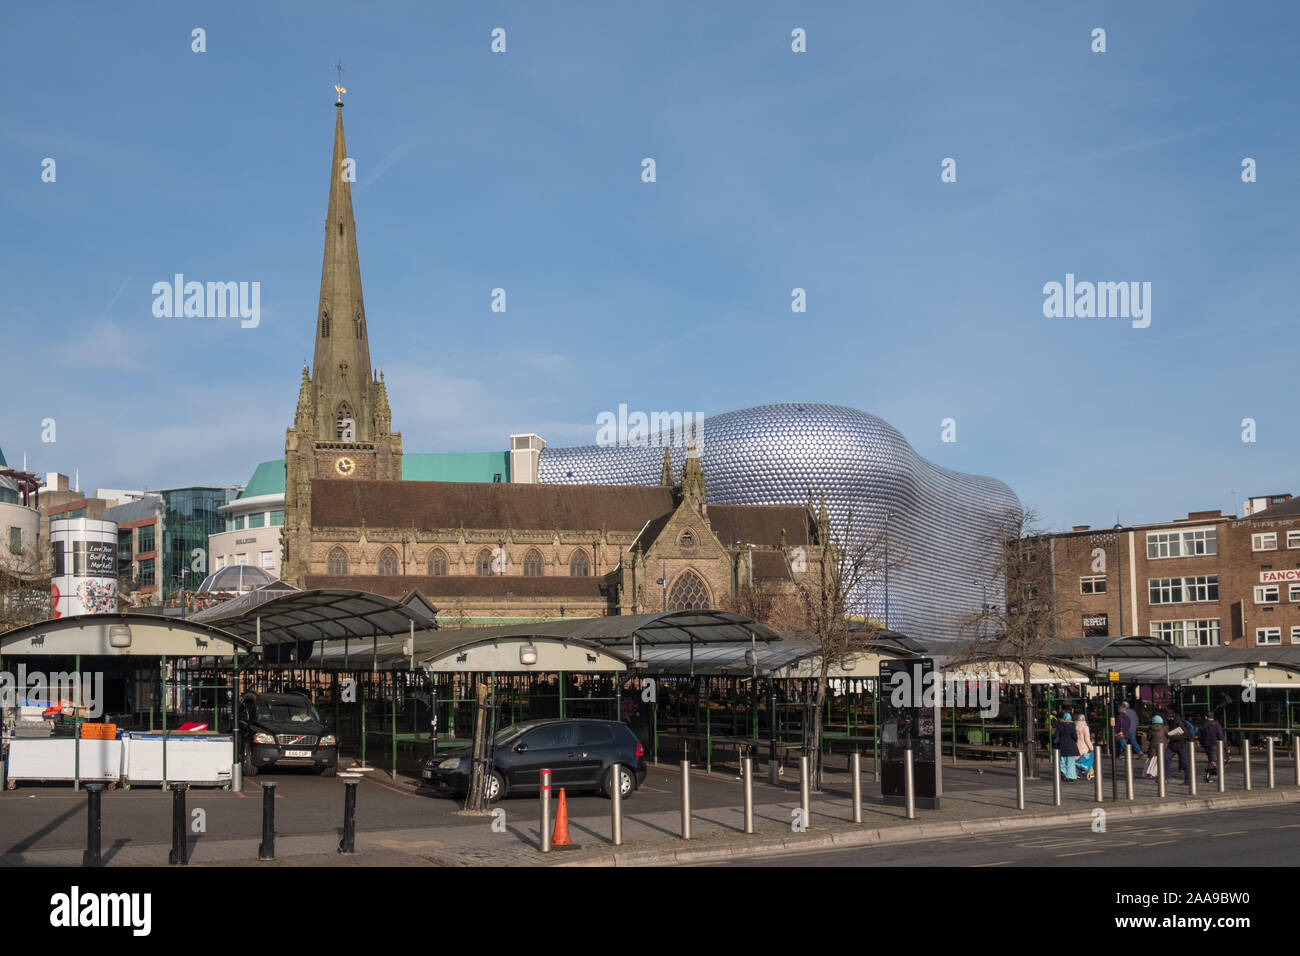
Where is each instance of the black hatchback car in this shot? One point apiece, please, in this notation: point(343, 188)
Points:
point(580, 754)
point(285, 730)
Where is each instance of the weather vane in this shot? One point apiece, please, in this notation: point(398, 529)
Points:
point(338, 87)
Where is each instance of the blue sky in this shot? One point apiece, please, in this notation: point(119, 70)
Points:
point(775, 170)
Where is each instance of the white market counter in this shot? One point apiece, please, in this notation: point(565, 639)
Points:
point(56, 758)
point(202, 759)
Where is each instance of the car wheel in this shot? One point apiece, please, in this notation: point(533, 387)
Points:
point(331, 771)
point(250, 768)
point(626, 779)
point(495, 787)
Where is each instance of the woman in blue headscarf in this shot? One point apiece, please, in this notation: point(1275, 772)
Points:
point(1068, 745)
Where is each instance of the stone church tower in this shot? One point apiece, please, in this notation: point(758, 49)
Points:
point(342, 427)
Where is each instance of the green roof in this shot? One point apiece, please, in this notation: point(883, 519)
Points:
point(268, 479)
point(467, 466)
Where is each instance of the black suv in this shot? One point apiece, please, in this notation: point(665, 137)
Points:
point(578, 752)
point(285, 730)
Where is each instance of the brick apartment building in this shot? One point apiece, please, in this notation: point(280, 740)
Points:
point(1205, 580)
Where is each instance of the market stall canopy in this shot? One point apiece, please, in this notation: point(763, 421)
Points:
point(121, 635)
point(325, 614)
point(1276, 667)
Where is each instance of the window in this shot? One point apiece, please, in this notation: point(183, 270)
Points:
point(533, 564)
point(239, 522)
point(1294, 594)
point(1203, 633)
point(688, 593)
point(1094, 585)
point(277, 519)
point(579, 566)
point(241, 559)
point(268, 559)
point(1267, 594)
point(1264, 542)
point(483, 563)
point(687, 540)
point(387, 561)
point(324, 325)
point(1182, 544)
point(221, 561)
point(1293, 539)
point(550, 737)
point(1204, 587)
point(337, 563)
point(1268, 635)
point(15, 540)
point(597, 735)
point(1295, 635)
point(144, 539)
point(437, 562)
point(146, 573)
point(257, 520)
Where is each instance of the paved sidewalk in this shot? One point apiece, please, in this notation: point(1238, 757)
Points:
point(977, 799)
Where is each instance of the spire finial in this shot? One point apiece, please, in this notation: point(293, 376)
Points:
point(338, 87)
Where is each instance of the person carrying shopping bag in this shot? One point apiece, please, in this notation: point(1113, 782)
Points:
point(1068, 746)
point(1157, 734)
point(1083, 738)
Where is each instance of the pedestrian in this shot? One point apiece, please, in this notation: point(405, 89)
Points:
point(1083, 738)
point(1126, 733)
point(1180, 743)
point(1157, 734)
point(1068, 745)
point(1209, 737)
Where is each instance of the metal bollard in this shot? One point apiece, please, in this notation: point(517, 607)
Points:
point(1096, 775)
point(686, 799)
point(1128, 770)
point(1295, 762)
point(1056, 777)
point(1160, 769)
point(804, 791)
point(1223, 776)
point(349, 842)
point(909, 785)
point(1271, 782)
point(1020, 779)
point(747, 772)
point(178, 855)
point(616, 803)
point(856, 769)
point(266, 849)
point(1191, 764)
point(546, 810)
point(1245, 759)
point(94, 791)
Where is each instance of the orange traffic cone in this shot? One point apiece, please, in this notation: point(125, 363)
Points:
point(560, 837)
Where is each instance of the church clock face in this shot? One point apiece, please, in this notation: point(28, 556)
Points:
point(345, 466)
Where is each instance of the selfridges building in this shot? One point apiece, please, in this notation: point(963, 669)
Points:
point(939, 519)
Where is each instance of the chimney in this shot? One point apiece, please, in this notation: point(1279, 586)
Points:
point(1204, 515)
point(1083, 527)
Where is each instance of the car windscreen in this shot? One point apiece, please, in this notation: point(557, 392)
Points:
point(287, 712)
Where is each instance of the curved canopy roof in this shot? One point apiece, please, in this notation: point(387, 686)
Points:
point(237, 578)
point(325, 614)
point(152, 635)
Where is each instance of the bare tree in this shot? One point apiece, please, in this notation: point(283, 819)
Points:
point(775, 604)
point(834, 601)
point(24, 589)
point(1018, 621)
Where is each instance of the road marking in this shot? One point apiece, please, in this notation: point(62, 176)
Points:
point(1161, 843)
point(1083, 852)
point(1230, 833)
point(405, 793)
point(1286, 826)
point(998, 863)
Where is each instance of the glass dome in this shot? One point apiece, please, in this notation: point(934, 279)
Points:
point(236, 579)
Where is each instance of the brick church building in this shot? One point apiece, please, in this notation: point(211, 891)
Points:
point(496, 552)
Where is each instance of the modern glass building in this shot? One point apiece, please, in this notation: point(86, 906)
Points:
point(938, 520)
point(189, 516)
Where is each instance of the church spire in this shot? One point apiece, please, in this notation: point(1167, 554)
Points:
point(666, 476)
point(693, 477)
point(341, 370)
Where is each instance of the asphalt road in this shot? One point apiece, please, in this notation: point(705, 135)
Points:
point(1261, 836)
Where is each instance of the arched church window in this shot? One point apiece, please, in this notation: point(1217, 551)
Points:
point(687, 540)
point(437, 562)
point(388, 561)
point(688, 593)
point(579, 566)
point(338, 562)
point(533, 564)
point(483, 564)
point(346, 424)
